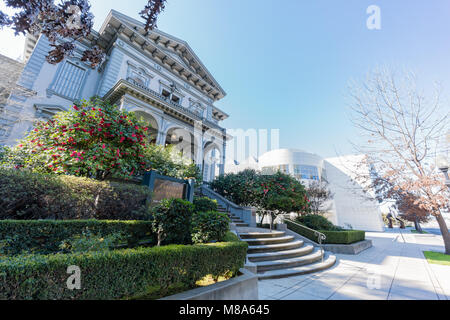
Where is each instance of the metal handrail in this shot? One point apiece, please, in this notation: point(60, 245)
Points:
point(320, 236)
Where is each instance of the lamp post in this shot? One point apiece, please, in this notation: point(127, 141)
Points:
point(442, 164)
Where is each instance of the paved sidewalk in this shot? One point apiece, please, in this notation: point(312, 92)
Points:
point(394, 268)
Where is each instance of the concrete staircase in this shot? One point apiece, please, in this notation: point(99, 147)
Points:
point(234, 219)
point(278, 255)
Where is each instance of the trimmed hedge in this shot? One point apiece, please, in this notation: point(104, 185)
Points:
point(25, 196)
point(205, 204)
point(119, 273)
point(344, 237)
point(317, 222)
point(333, 237)
point(45, 236)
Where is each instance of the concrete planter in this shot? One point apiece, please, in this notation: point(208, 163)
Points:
point(243, 287)
point(353, 248)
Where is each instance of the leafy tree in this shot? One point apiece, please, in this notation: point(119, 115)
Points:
point(272, 194)
point(97, 140)
point(171, 221)
point(402, 128)
point(69, 19)
point(410, 210)
point(169, 161)
point(319, 196)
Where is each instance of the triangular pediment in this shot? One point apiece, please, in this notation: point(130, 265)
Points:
point(176, 53)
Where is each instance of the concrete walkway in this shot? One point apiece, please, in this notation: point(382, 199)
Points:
point(394, 268)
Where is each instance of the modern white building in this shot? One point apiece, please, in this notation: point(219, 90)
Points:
point(151, 73)
point(352, 205)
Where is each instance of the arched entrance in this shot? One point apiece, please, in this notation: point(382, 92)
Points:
point(212, 161)
point(184, 141)
point(151, 121)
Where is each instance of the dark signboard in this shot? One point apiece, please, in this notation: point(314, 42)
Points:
point(163, 187)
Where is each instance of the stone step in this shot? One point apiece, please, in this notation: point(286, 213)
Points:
point(275, 240)
point(241, 224)
point(279, 255)
point(275, 247)
point(310, 258)
point(328, 262)
point(254, 235)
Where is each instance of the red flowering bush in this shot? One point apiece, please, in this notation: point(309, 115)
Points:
point(94, 139)
point(268, 192)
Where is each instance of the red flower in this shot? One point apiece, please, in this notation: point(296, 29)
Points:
point(76, 108)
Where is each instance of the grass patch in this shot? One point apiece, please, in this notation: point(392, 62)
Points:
point(437, 258)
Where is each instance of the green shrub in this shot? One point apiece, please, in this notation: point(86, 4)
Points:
point(205, 204)
point(231, 237)
point(117, 274)
point(26, 196)
point(332, 237)
point(317, 222)
point(45, 236)
point(171, 221)
point(88, 241)
point(209, 226)
point(344, 237)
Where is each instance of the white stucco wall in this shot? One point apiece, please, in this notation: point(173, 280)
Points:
point(351, 205)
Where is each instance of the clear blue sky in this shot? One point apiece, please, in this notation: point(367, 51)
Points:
point(287, 64)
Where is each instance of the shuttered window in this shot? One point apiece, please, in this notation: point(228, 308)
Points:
point(69, 80)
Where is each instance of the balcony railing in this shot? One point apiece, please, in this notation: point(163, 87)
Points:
point(177, 106)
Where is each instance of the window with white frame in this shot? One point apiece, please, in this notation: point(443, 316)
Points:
point(171, 95)
point(138, 75)
point(306, 172)
point(69, 80)
point(284, 168)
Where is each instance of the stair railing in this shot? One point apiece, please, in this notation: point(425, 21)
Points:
point(320, 236)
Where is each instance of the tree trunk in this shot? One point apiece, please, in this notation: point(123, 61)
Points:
point(417, 225)
point(271, 221)
point(390, 223)
point(444, 231)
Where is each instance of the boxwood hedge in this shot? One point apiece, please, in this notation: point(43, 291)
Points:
point(44, 236)
point(25, 196)
point(117, 274)
point(333, 237)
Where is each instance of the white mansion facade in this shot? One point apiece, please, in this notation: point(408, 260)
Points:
point(154, 74)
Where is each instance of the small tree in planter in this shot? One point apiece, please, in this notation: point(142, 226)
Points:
point(272, 194)
point(281, 193)
point(319, 196)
